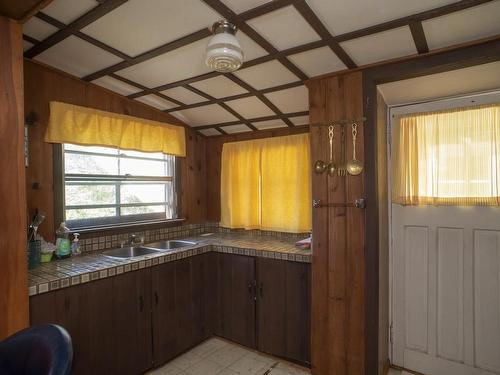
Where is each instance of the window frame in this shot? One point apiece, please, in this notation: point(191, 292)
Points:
point(139, 221)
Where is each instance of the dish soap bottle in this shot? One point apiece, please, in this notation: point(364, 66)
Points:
point(63, 248)
point(75, 246)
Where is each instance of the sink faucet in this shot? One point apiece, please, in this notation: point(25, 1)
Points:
point(133, 240)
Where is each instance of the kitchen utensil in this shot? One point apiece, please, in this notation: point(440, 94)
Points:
point(354, 166)
point(342, 169)
point(33, 228)
point(331, 168)
point(319, 166)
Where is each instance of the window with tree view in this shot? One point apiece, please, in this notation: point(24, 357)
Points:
point(105, 186)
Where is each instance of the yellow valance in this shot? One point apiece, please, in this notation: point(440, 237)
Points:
point(86, 126)
point(266, 184)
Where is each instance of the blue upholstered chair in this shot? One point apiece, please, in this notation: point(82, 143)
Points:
point(37, 350)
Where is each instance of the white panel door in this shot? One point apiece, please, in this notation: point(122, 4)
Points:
point(446, 289)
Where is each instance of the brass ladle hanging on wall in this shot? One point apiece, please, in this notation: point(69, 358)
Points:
point(354, 166)
point(320, 166)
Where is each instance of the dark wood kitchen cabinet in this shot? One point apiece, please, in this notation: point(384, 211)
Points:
point(264, 304)
point(236, 298)
point(283, 309)
point(181, 309)
point(109, 322)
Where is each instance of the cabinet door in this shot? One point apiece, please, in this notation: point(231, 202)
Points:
point(271, 306)
point(298, 312)
point(201, 271)
point(237, 299)
point(131, 351)
point(283, 309)
point(164, 324)
point(85, 311)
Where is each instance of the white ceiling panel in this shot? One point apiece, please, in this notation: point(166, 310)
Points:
point(240, 6)
point(477, 78)
point(27, 45)
point(318, 61)
point(341, 16)
point(134, 27)
point(233, 129)
point(67, 11)
point(210, 132)
point(184, 62)
point(75, 56)
point(460, 27)
point(206, 115)
point(251, 107)
point(300, 120)
point(382, 46)
point(269, 74)
point(156, 102)
point(219, 87)
point(116, 85)
point(38, 29)
point(291, 100)
point(184, 95)
point(284, 28)
point(269, 124)
point(251, 50)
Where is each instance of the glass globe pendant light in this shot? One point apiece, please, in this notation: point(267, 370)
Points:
point(224, 53)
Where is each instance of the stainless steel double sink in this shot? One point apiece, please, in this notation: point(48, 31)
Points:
point(152, 248)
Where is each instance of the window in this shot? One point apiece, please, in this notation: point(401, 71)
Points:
point(449, 157)
point(105, 186)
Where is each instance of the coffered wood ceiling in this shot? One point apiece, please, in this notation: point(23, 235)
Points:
point(153, 50)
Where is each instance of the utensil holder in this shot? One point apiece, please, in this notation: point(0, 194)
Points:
point(34, 254)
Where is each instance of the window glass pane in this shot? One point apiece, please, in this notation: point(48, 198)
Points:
point(142, 210)
point(142, 193)
point(138, 167)
point(151, 155)
point(90, 164)
point(89, 213)
point(96, 149)
point(77, 195)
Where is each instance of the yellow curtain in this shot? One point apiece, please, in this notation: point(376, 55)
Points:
point(448, 157)
point(86, 126)
point(265, 184)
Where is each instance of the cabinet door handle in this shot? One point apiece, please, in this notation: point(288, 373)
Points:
point(261, 290)
point(141, 303)
point(67, 303)
point(250, 288)
point(156, 298)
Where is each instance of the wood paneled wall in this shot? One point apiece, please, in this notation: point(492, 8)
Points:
point(213, 160)
point(338, 265)
point(13, 263)
point(44, 84)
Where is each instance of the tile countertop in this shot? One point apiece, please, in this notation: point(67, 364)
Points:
point(94, 265)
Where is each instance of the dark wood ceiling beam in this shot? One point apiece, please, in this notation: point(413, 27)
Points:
point(256, 119)
point(146, 90)
point(265, 8)
point(228, 14)
point(30, 39)
point(259, 95)
point(418, 34)
point(223, 105)
point(405, 21)
point(79, 34)
point(313, 20)
point(178, 43)
point(234, 97)
point(89, 17)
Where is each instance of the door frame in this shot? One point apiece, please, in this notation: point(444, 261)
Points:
point(462, 56)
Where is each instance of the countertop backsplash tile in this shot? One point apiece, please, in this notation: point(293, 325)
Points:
point(92, 264)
